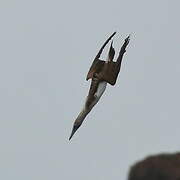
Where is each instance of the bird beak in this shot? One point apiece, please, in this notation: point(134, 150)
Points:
point(75, 128)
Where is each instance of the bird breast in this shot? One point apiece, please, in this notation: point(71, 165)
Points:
point(101, 88)
point(92, 99)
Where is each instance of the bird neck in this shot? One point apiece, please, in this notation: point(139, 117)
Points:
point(82, 115)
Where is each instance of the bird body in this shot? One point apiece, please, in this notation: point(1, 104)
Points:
point(90, 102)
point(101, 88)
point(101, 73)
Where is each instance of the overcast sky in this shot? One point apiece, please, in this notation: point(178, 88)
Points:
point(46, 49)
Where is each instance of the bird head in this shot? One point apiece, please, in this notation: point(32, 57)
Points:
point(75, 128)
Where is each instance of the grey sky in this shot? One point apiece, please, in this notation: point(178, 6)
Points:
point(46, 50)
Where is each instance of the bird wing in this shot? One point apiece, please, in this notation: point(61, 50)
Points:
point(111, 69)
point(98, 64)
point(109, 72)
point(95, 68)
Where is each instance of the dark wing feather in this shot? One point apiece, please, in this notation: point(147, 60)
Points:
point(95, 68)
point(111, 69)
point(109, 73)
point(117, 67)
point(95, 62)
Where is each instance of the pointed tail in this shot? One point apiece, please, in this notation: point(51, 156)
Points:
point(111, 53)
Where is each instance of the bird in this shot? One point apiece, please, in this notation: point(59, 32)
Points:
point(101, 73)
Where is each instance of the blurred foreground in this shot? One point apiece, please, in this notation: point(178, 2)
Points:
point(158, 167)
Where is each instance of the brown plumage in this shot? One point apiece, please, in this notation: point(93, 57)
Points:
point(110, 70)
point(101, 72)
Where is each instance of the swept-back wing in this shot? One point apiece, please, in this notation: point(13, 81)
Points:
point(97, 64)
point(111, 69)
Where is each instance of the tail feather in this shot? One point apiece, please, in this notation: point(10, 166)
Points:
point(111, 52)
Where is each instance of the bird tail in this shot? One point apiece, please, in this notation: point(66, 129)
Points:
point(111, 53)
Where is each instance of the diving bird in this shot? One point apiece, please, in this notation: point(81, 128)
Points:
point(101, 72)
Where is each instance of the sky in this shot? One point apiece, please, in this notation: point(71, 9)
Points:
point(46, 50)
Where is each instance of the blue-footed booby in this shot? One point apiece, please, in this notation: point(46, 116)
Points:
point(101, 72)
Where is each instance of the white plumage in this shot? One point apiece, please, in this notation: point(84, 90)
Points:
point(101, 88)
